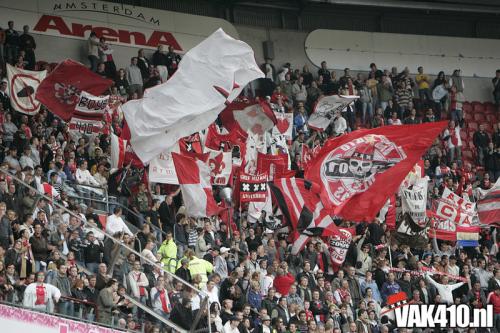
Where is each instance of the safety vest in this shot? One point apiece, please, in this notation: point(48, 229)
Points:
point(168, 251)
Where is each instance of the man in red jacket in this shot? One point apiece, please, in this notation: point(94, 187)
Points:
point(283, 280)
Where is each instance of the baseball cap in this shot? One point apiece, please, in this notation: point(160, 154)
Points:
point(224, 250)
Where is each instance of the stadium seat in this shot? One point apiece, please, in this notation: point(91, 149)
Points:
point(472, 126)
point(467, 155)
point(463, 135)
point(479, 117)
point(467, 107)
point(468, 116)
point(491, 118)
point(477, 107)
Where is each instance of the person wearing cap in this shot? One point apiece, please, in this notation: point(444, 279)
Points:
point(265, 327)
point(198, 266)
point(220, 264)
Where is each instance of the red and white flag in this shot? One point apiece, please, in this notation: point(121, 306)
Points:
point(221, 166)
point(210, 76)
point(284, 124)
point(338, 245)
point(60, 91)
point(50, 191)
point(23, 85)
point(194, 178)
point(118, 150)
point(90, 106)
point(361, 170)
point(255, 117)
point(217, 141)
point(489, 206)
point(272, 165)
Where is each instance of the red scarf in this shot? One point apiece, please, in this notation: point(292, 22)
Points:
point(165, 304)
point(351, 90)
point(40, 295)
point(454, 137)
point(321, 264)
point(142, 291)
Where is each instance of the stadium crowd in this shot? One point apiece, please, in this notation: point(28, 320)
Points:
point(52, 260)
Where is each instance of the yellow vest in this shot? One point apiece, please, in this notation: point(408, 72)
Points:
point(202, 267)
point(168, 251)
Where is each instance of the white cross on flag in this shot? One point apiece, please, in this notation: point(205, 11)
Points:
point(253, 188)
point(22, 88)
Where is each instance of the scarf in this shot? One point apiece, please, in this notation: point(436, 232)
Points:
point(453, 136)
point(165, 304)
point(40, 295)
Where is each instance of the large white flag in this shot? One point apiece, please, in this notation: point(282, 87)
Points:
point(22, 88)
point(210, 76)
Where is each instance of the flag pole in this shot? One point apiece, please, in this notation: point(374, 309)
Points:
point(390, 255)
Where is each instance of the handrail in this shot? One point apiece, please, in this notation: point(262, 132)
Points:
point(84, 302)
point(152, 263)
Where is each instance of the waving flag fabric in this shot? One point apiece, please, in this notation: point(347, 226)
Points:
point(23, 85)
point(210, 76)
point(360, 170)
point(249, 116)
point(489, 206)
point(60, 91)
point(325, 108)
point(194, 179)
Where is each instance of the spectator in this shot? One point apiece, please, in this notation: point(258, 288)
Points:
point(173, 60)
point(159, 298)
point(160, 61)
point(384, 92)
point(93, 51)
point(134, 77)
point(481, 140)
point(453, 141)
point(106, 302)
point(143, 64)
point(61, 282)
point(12, 43)
point(299, 91)
point(423, 83)
point(28, 45)
point(115, 224)
point(41, 296)
point(324, 73)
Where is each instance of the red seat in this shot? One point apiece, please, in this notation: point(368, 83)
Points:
point(463, 135)
point(490, 109)
point(472, 126)
point(491, 118)
point(468, 116)
point(467, 108)
point(467, 155)
point(477, 107)
point(479, 117)
point(465, 145)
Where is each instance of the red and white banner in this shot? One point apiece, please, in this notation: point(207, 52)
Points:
point(91, 106)
point(455, 208)
point(272, 165)
point(253, 188)
point(284, 124)
point(162, 169)
point(194, 180)
point(80, 126)
point(23, 85)
point(360, 170)
point(338, 246)
point(221, 166)
point(61, 89)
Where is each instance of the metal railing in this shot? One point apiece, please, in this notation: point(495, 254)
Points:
point(204, 296)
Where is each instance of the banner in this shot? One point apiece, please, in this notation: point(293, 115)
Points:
point(414, 201)
point(324, 109)
point(443, 229)
point(253, 188)
point(284, 124)
point(338, 246)
point(23, 85)
point(78, 126)
point(455, 208)
point(91, 105)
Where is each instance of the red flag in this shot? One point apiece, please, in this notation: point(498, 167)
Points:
point(61, 89)
point(118, 150)
point(130, 156)
point(249, 116)
point(338, 245)
point(191, 144)
point(359, 171)
point(272, 165)
point(253, 188)
point(194, 179)
point(216, 141)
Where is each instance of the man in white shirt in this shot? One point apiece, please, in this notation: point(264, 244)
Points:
point(444, 289)
point(147, 252)
point(231, 325)
point(83, 175)
point(115, 224)
point(339, 124)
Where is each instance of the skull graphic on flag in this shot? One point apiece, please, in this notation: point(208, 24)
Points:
point(352, 167)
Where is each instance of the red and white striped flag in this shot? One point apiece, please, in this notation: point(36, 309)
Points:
point(118, 149)
point(488, 207)
point(50, 191)
point(194, 179)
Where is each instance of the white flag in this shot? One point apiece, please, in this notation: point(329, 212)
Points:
point(210, 75)
point(22, 88)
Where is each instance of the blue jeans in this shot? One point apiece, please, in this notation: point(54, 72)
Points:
point(93, 62)
point(366, 108)
point(457, 115)
point(66, 308)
